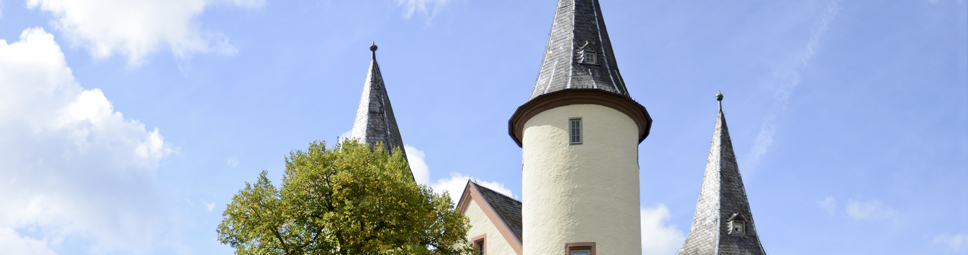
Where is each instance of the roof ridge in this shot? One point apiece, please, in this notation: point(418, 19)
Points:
point(507, 208)
point(495, 192)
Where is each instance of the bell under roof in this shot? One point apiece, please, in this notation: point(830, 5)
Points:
point(722, 204)
point(375, 122)
point(578, 54)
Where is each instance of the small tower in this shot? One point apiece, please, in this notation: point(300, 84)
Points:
point(579, 132)
point(374, 119)
point(724, 222)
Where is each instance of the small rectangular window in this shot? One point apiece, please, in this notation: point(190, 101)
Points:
point(584, 248)
point(575, 130)
point(591, 58)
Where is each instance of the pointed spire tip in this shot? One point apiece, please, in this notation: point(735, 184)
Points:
point(373, 50)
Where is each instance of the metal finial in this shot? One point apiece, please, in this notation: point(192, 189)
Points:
point(373, 50)
point(719, 96)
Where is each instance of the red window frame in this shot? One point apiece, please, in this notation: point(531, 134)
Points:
point(481, 239)
point(580, 246)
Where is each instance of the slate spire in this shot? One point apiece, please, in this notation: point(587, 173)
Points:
point(579, 54)
point(723, 223)
point(374, 119)
point(578, 68)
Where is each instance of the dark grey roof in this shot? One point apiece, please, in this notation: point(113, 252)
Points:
point(721, 199)
point(578, 27)
point(507, 208)
point(374, 119)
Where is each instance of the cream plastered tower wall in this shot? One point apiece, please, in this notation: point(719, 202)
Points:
point(495, 243)
point(581, 193)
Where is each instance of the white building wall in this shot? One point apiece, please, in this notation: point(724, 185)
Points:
point(581, 193)
point(495, 243)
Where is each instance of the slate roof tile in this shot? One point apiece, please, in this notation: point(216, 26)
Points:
point(578, 29)
point(374, 118)
point(506, 207)
point(723, 197)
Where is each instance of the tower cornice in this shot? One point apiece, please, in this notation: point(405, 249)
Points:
point(621, 103)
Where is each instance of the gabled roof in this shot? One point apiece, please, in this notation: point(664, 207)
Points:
point(723, 198)
point(503, 211)
point(578, 25)
point(374, 119)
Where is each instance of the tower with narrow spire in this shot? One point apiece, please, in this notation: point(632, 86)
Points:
point(374, 119)
point(723, 223)
point(579, 132)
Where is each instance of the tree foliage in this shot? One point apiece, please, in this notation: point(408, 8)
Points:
point(345, 200)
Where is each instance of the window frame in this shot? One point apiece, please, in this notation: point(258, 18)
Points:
point(569, 247)
point(737, 225)
point(482, 240)
point(571, 131)
point(590, 57)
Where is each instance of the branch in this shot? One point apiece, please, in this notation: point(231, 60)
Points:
point(285, 246)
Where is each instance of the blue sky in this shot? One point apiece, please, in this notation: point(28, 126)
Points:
point(127, 126)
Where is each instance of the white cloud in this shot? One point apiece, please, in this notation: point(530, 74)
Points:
point(658, 237)
point(427, 7)
point(13, 244)
point(869, 210)
point(345, 135)
point(829, 204)
point(953, 243)
point(138, 28)
point(417, 165)
point(232, 161)
point(455, 186)
point(70, 165)
point(209, 206)
point(786, 80)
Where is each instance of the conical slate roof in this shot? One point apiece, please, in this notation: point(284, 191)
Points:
point(579, 53)
point(374, 119)
point(578, 68)
point(722, 204)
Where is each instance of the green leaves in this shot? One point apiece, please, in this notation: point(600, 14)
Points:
point(345, 200)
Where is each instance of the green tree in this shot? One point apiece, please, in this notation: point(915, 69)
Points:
point(345, 200)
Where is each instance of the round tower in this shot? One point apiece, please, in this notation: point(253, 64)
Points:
point(579, 133)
